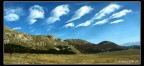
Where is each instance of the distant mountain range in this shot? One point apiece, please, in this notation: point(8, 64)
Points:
point(20, 42)
point(87, 47)
point(131, 43)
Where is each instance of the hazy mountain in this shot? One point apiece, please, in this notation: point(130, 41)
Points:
point(133, 47)
point(131, 43)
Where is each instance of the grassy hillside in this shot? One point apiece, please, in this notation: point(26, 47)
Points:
point(21, 42)
point(131, 56)
point(87, 47)
point(81, 45)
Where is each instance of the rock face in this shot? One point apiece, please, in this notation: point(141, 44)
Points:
point(21, 42)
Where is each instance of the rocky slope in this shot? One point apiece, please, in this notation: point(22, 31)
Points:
point(21, 42)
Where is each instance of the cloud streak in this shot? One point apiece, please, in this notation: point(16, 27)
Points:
point(84, 24)
point(117, 21)
point(36, 11)
point(68, 25)
point(57, 13)
point(16, 28)
point(101, 22)
point(81, 12)
point(120, 14)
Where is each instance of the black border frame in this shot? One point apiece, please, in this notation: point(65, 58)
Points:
point(142, 61)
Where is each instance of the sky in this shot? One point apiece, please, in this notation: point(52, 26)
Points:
point(94, 22)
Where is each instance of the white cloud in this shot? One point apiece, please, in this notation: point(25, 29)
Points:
point(81, 12)
point(117, 21)
point(57, 13)
point(121, 13)
point(12, 14)
point(116, 15)
point(50, 27)
point(11, 17)
point(16, 28)
point(101, 22)
point(84, 24)
point(36, 11)
point(107, 10)
point(68, 25)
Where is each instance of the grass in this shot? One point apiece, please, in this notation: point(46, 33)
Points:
point(131, 56)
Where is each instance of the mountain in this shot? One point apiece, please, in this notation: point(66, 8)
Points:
point(87, 47)
point(131, 43)
point(133, 47)
point(109, 46)
point(82, 45)
point(20, 42)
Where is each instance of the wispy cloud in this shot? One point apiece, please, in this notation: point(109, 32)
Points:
point(57, 13)
point(11, 17)
point(117, 21)
point(32, 30)
point(12, 14)
point(84, 24)
point(105, 11)
point(101, 22)
point(50, 27)
point(81, 12)
point(116, 33)
point(31, 27)
point(68, 25)
point(16, 28)
point(121, 13)
point(115, 15)
point(36, 11)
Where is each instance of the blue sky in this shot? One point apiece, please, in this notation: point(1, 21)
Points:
point(92, 21)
